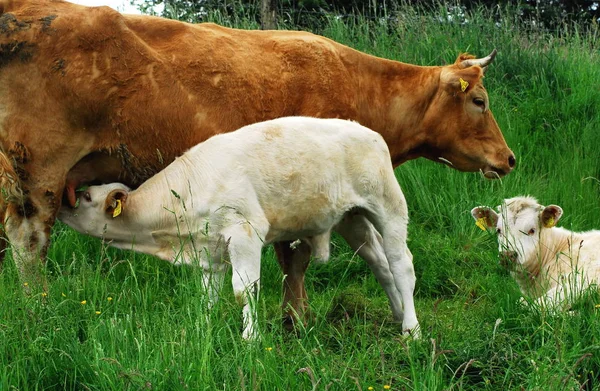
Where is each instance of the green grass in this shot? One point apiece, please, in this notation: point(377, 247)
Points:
point(154, 333)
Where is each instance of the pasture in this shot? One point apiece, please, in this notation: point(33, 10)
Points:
point(116, 320)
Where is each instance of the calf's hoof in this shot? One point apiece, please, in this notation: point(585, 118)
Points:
point(413, 332)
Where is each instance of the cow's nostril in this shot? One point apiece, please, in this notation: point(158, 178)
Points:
point(508, 257)
point(511, 161)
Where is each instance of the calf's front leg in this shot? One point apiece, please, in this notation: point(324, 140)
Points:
point(244, 254)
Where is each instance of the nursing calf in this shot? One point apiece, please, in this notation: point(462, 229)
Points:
point(280, 180)
point(550, 264)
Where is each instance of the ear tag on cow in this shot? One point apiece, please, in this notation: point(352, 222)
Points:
point(549, 223)
point(118, 209)
point(463, 84)
point(481, 223)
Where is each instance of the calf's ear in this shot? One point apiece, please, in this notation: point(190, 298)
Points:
point(115, 202)
point(550, 215)
point(485, 217)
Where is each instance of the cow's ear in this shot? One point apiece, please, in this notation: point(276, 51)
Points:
point(461, 80)
point(485, 217)
point(115, 202)
point(550, 215)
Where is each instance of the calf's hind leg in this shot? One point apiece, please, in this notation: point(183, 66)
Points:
point(363, 238)
point(394, 232)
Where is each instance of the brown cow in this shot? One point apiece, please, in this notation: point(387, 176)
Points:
point(123, 95)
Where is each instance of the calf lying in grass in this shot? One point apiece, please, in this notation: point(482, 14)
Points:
point(286, 179)
point(550, 264)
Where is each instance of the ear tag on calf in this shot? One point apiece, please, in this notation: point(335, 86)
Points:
point(481, 223)
point(549, 223)
point(463, 84)
point(118, 209)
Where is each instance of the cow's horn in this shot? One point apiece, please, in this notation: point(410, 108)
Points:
point(482, 62)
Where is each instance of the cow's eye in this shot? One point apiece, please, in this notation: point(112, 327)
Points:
point(479, 102)
point(87, 196)
point(531, 231)
point(498, 231)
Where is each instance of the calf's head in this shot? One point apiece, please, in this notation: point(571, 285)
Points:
point(462, 130)
point(519, 223)
point(97, 210)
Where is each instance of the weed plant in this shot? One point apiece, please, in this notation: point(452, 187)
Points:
point(116, 320)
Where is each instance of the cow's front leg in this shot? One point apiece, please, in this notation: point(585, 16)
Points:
point(27, 224)
point(3, 236)
point(293, 263)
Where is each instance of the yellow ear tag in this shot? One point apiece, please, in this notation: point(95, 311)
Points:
point(463, 84)
point(481, 224)
point(549, 223)
point(118, 209)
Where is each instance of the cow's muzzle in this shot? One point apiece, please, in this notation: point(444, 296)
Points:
point(495, 172)
point(508, 259)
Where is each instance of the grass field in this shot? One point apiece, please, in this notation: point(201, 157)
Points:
point(115, 320)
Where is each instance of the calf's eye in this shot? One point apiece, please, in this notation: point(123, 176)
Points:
point(498, 231)
point(531, 232)
point(87, 196)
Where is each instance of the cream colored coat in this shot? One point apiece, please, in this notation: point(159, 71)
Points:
point(550, 264)
point(280, 180)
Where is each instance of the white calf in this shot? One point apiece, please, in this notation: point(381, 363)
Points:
point(550, 264)
point(280, 180)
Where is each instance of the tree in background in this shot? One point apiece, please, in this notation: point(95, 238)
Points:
point(268, 14)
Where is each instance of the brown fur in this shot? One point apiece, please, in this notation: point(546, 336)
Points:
point(9, 181)
point(82, 86)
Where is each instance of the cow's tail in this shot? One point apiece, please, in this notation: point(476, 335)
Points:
point(10, 185)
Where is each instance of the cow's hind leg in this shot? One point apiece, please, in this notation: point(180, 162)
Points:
point(293, 263)
point(363, 238)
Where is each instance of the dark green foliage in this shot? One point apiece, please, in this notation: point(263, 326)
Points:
point(545, 14)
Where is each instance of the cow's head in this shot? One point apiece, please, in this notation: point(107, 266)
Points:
point(519, 224)
point(461, 129)
point(99, 210)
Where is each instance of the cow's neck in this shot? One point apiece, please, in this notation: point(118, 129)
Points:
point(156, 206)
point(556, 256)
point(156, 202)
point(393, 99)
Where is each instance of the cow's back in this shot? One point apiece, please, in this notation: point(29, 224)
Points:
point(146, 89)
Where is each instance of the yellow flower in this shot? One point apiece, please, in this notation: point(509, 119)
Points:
point(98, 312)
point(109, 298)
point(387, 387)
point(597, 306)
point(44, 294)
point(269, 349)
point(370, 388)
point(83, 302)
point(25, 284)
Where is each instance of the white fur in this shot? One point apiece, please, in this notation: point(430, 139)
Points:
point(550, 264)
point(285, 179)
